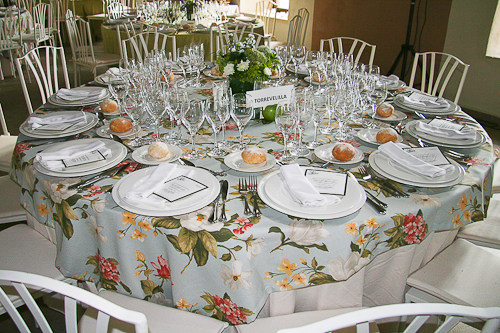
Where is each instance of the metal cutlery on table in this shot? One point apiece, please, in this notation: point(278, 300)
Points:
point(252, 186)
point(368, 174)
point(106, 174)
point(183, 161)
point(220, 199)
point(380, 209)
point(243, 189)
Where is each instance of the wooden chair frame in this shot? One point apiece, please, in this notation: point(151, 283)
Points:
point(139, 45)
point(357, 48)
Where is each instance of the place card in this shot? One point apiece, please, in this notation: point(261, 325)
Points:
point(431, 155)
point(57, 126)
point(327, 181)
point(178, 188)
point(419, 97)
point(271, 96)
point(440, 123)
point(90, 157)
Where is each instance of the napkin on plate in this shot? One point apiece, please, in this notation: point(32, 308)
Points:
point(53, 160)
point(439, 103)
point(112, 74)
point(458, 133)
point(79, 94)
point(392, 81)
point(412, 163)
point(54, 118)
point(163, 172)
point(302, 190)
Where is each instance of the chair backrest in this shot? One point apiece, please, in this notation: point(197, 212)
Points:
point(42, 16)
point(45, 71)
point(72, 295)
point(8, 30)
point(422, 312)
point(294, 33)
point(3, 122)
point(27, 4)
point(437, 69)
point(62, 7)
point(348, 45)
point(142, 44)
point(226, 31)
point(80, 39)
point(304, 13)
point(131, 29)
point(115, 10)
point(264, 12)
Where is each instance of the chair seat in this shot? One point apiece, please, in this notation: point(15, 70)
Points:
point(10, 208)
point(101, 59)
point(7, 145)
point(463, 274)
point(160, 318)
point(482, 233)
point(9, 45)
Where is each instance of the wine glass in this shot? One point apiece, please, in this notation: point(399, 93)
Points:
point(212, 110)
point(241, 112)
point(377, 97)
point(302, 105)
point(119, 91)
point(192, 120)
point(298, 55)
point(286, 121)
point(317, 111)
point(155, 107)
point(134, 111)
point(178, 103)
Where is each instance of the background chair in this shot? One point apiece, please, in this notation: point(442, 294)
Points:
point(43, 30)
point(437, 69)
point(131, 29)
point(227, 31)
point(264, 12)
point(304, 14)
point(82, 48)
point(45, 73)
point(8, 41)
point(484, 233)
point(294, 33)
point(142, 44)
point(356, 47)
point(362, 318)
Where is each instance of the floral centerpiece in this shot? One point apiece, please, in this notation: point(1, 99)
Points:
point(189, 6)
point(243, 64)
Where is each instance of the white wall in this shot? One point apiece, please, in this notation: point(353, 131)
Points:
point(467, 38)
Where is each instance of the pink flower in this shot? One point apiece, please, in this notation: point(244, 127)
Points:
point(476, 161)
point(278, 134)
point(231, 127)
point(242, 220)
point(231, 310)
point(414, 227)
point(163, 269)
point(107, 268)
point(21, 147)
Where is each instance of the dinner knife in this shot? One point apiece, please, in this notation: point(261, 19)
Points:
point(109, 173)
point(224, 188)
point(378, 208)
point(215, 212)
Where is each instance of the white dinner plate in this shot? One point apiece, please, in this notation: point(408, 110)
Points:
point(182, 206)
point(114, 113)
point(141, 155)
point(324, 152)
point(104, 132)
point(274, 194)
point(396, 116)
point(384, 166)
point(104, 79)
point(395, 85)
point(369, 135)
point(90, 121)
point(302, 70)
point(451, 109)
point(54, 99)
point(444, 142)
point(235, 162)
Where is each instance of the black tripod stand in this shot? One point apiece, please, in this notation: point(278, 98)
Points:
point(406, 47)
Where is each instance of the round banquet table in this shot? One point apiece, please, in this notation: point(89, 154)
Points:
point(25, 22)
point(249, 266)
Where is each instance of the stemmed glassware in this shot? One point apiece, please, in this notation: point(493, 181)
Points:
point(303, 102)
point(212, 114)
point(286, 121)
point(284, 55)
point(134, 111)
point(317, 111)
point(155, 106)
point(119, 92)
point(298, 55)
point(241, 112)
point(192, 120)
point(178, 103)
point(377, 97)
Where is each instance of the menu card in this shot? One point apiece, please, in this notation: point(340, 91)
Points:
point(419, 97)
point(178, 188)
point(89, 157)
point(327, 181)
point(431, 155)
point(440, 123)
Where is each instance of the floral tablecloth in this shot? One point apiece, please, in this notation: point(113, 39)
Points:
point(227, 270)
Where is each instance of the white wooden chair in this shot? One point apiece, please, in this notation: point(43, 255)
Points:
point(294, 33)
point(437, 69)
point(82, 48)
point(348, 45)
point(8, 42)
point(236, 31)
point(45, 73)
point(487, 232)
point(115, 10)
point(42, 23)
point(361, 319)
point(264, 12)
point(131, 29)
point(142, 44)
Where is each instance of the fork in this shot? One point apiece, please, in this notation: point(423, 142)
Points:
point(363, 170)
point(252, 186)
point(398, 192)
point(243, 189)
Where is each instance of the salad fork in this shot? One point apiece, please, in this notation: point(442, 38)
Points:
point(252, 181)
point(243, 189)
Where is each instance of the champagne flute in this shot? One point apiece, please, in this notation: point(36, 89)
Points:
point(286, 121)
point(192, 120)
point(241, 112)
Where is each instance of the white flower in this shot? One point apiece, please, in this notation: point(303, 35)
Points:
point(243, 66)
point(254, 247)
point(98, 205)
point(160, 298)
point(341, 270)
point(307, 232)
point(424, 200)
point(29, 177)
point(58, 188)
point(96, 230)
point(229, 69)
point(197, 221)
point(267, 71)
point(236, 278)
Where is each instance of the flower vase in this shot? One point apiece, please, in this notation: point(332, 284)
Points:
point(240, 86)
point(189, 12)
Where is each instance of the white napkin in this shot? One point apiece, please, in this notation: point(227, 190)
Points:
point(392, 81)
point(302, 190)
point(412, 163)
point(163, 172)
point(112, 74)
point(439, 103)
point(458, 132)
point(53, 160)
point(79, 94)
point(54, 118)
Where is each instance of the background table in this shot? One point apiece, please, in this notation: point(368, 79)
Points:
point(229, 270)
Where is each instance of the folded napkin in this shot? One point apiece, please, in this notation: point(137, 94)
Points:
point(458, 132)
point(439, 103)
point(79, 94)
point(412, 163)
point(53, 160)
point(163, 172)
point(112, 74)
point(54, 118)
point(391, 81)
point(302, 190)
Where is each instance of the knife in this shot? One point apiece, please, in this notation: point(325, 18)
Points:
point(378, 208)
point(223, 190)
point(109, 173)
point(215, 211)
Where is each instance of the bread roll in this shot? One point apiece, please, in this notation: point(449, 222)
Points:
point(170, 76)
point(343, 151)
point(186, 27)
point(385, 110)
point(108, 105)
point(158, 150)
point(386, 135)
point(216, 72)
point(253, 155)
point(316, 77)
point(120, 125)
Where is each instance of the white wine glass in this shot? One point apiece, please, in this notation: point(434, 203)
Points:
point(192, 120)
point(286, 121)
point(212, 114)
point(241, 112)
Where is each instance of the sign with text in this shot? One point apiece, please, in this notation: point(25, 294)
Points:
point(270, 96)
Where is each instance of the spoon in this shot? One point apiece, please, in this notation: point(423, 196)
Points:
point(183, 161)
point(116, 138)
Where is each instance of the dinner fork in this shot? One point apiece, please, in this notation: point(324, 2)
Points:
point(386, 182)
point(363, 170)
point(243, 189)
point(252, 186)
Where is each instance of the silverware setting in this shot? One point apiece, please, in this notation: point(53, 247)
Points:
point(184, 161)
point(367, 173)
point(215, 216)
point(243, 189)
point(380, 209)
point(105, 174)
point(252, 186)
